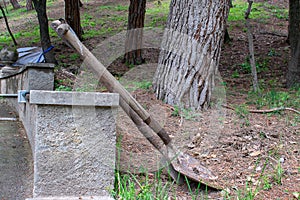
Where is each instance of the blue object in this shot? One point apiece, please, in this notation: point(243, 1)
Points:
point(31, 55)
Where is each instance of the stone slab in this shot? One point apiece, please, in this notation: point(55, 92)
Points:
point(74, 98)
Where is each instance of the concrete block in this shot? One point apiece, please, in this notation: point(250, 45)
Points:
point(74, 144)
point(40, 76)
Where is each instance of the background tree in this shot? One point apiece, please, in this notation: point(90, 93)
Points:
point(40, 7)
point(293, 74)
point(29, 5)
point(72, 16)
point(15, 4)
point(190, 52)
point(134, 37)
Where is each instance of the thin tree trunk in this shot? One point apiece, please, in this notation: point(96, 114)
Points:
point(40, 7)
point(8, 28)
point(251, 48)
point(15, 4)
point(190, 52)
point(293, 74)
point(29, 5)
point(134, 37)
point(72, 16)
point(5, 6)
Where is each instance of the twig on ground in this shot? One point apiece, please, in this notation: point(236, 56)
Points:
point(266, 110)
point(278, 34)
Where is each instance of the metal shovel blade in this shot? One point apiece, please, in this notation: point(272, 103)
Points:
point(195, 171)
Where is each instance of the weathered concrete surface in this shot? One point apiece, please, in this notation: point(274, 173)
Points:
point(74, 140)
point(37, 76)
point(16, 163)
point(74, 98)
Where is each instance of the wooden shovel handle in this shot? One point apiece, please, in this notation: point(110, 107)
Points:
point(67, 34)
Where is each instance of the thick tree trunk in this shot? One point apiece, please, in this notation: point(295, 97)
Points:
point(40, 7)
point(15, 4)
point(293, 74)
point(72, 16)
point(190, 52)
point(29, 5)
point(134, 37)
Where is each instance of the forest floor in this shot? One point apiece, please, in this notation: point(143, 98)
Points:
point(254, 154)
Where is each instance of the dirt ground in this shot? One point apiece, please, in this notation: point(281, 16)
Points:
point(246, 151)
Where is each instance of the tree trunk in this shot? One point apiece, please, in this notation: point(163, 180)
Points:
point(15, 4)
point(29, 5)
point(251, 48)
point(134, 37)
point(40, 7)
point(190, 52)
point(293, 74)
point(72, 16)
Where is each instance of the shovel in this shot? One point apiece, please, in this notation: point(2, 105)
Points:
point(178, 163)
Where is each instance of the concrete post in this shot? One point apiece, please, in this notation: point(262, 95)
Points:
point(73, 142)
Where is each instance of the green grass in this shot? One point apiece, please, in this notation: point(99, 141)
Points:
point(278, 173)
point(134, 85)
point(261, 11)
point(130, 186)
point(63, 88)
point(146, 85)
point(113, 8)
point(275, 98)
point(142, 187)
point(74, 56)
point(187, 114)
point(156, 16)
point(162, 8)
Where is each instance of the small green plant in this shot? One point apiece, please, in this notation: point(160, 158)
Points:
point(266, 183)
point(262, 135)
point(194, 194)
point(74, 56)
point(278, 173)
point(175, 112)
point(62, 56)
point(235, 74)
point(187, 114)
point(260, 66)
point(63, 88)
point(246, 67)
point(146, 85)
point(242, 112)
point(272, 53)
point(274, 99)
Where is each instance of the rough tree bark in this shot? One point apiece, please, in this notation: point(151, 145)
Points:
point(40, 7)
point(15, 4)
point(134, 37)
point(72, 16)
point(293, 74)
point(190, 52)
